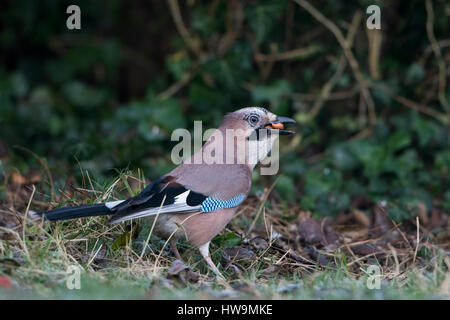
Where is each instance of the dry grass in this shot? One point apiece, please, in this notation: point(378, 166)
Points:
point(270, 250)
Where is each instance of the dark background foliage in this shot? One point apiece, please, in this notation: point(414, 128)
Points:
point(108, 96)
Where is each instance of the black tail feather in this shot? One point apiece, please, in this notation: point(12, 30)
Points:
point(89, 210)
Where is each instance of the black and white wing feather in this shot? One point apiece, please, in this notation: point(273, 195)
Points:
point(162, 196)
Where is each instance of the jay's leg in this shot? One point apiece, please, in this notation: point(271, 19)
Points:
point(204, 250)
point(173, 246)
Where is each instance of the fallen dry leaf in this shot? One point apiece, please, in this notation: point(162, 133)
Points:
point(234, 254)
point(311, 232)
point(291, 287)
point(271, 270)
point(361, 217)
point(352, 233)
point(236, 271)
point(31, 178)
point(181, 272)
point(303, 215)
point(422, 212)
point(315, 255)
point(365, 249)
point(331, 235)
point(259, 243)
point(438, 219)
point(18, 179)
point(383, 226)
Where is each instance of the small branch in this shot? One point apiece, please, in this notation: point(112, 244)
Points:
point(417, 239)
point(374, 39)
point(442, 44)
point(234, 23)
point(347, 52)
point(338, 95)
point(413, 105)
point(328, 87)
point(176, 15)
point(175, 87)
point(288, 55)
point(264, 68)
point(440, 60)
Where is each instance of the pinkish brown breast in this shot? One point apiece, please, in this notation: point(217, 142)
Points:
point(199, 228)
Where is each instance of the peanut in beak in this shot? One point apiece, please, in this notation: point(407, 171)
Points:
point(278, 126)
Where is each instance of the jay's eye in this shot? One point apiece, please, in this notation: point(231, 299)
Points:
point(253, 120)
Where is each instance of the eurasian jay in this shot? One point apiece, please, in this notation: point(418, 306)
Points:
point(197, 199)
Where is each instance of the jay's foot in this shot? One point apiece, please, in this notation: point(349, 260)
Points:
point(204, 250)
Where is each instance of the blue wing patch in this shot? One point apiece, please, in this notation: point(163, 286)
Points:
point(212, 204)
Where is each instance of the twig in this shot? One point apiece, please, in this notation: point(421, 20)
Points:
point(170, 237)
point(338, 95)
point(442, 44)
point(348, 54)
point(326, 89)
point(330, 84)
point(94, 254)
point(234, 22)
point(349, 264)
point(394, 254)
point(411, 104)
point(283, 256)
point(90, 181)
point(374, 39)
point(24, 226)
point(440, 60)
point(151, 230)
point(263, 201)
point(287, 55)
point(108, 191)
point(264, 68)
point(417, 239)
point(176, 15)
point(174, 88)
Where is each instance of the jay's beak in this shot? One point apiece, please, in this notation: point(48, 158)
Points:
point(278, 124)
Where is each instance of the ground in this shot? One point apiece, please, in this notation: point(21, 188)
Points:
point(270, 250)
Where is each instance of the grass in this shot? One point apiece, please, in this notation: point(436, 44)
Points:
point(115, 263)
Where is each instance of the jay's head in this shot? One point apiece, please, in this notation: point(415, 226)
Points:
point(255, 128)
point(252, 120)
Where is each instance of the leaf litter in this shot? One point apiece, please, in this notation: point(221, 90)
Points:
point(275, 246)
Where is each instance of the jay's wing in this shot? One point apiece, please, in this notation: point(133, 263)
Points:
point(162, 196)
point(215, 188)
